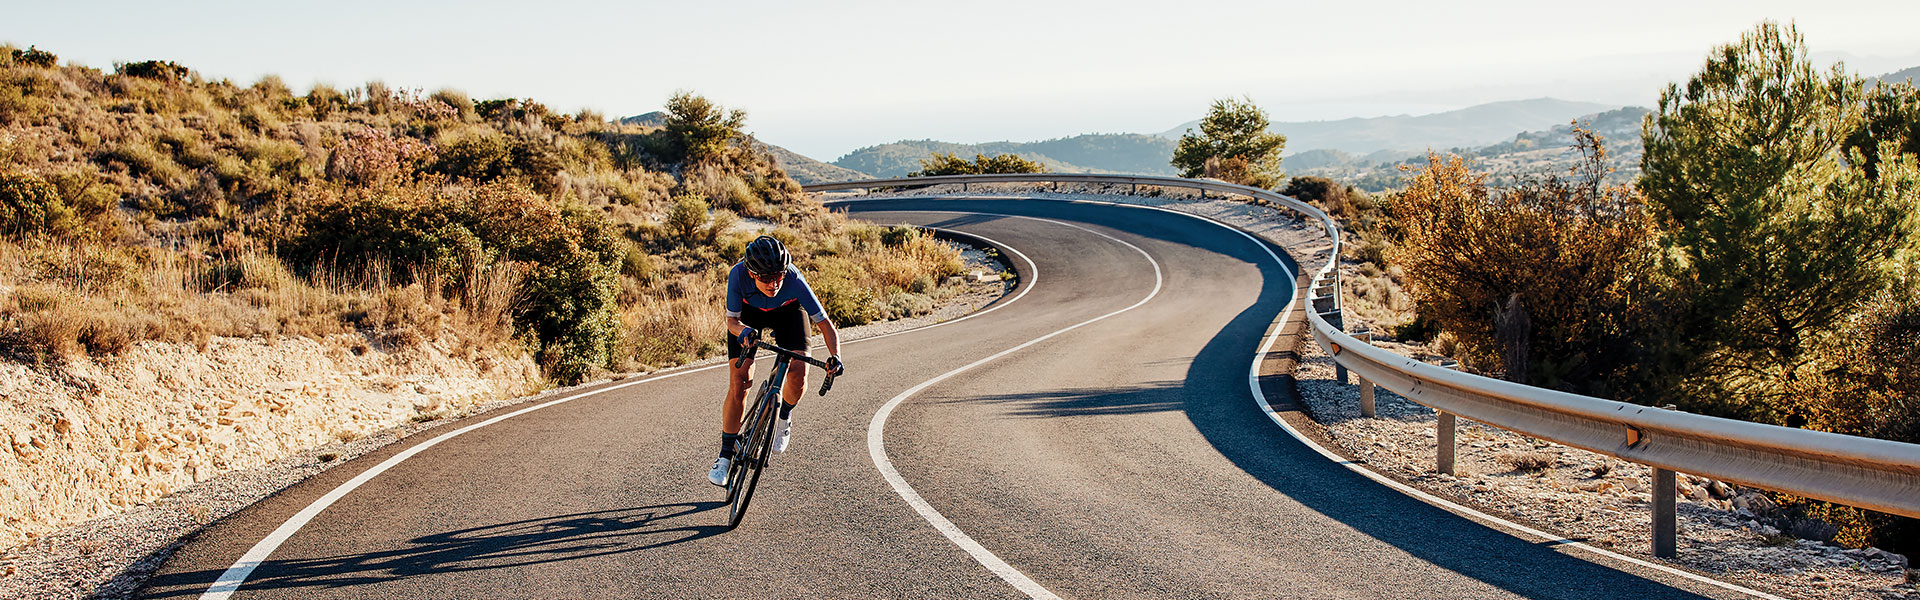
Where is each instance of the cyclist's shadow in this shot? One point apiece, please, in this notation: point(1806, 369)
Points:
point(501, 546)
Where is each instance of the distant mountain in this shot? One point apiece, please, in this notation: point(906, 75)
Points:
point(653, 119)
point(806, 170)
point(1128, 153)
point(1912, 74)
point(1472, 126)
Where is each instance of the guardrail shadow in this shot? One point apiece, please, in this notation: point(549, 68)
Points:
point(1218, 406)
point(502, 546)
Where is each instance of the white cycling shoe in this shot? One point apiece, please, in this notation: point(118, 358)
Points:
point(718, 476)
point(782, 432)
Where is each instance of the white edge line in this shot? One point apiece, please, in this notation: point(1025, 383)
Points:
point(1260, 396)
point(876, 445)
point(231, 579)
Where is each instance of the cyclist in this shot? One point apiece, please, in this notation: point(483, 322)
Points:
point(765, 292)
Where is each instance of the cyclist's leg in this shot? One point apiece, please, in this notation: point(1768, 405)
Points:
point(739, 378)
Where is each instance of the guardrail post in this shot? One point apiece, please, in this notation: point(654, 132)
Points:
point(1366, 398)
point(1444, 432)
point(1334, 318)
point(1665, 525)
point(1366, 387)
point(964, 186)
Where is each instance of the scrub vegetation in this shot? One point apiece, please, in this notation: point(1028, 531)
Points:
point(149, 203)
point(1761, 267)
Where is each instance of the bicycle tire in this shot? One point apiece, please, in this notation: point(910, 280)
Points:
point(753, 460)
point(733, 472)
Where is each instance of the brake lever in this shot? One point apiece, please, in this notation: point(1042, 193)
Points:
point(826, 385)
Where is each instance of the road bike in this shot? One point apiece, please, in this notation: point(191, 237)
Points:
point(756, 440)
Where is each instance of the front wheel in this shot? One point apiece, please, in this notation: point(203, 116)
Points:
point(746, 474)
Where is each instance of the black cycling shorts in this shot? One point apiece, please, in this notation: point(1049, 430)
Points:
point(785, 326)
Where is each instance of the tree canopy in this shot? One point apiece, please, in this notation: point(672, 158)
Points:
point(1775, 232)
point(700, 129)
point(1233, 145)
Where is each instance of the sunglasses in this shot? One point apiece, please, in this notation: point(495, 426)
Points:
point(773, 278)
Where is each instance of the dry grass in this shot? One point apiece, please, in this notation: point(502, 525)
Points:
point(68, 300)
point(1527, 462)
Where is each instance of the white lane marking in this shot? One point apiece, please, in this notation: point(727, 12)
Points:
point(231, 579)
point(876, 445)
point(1260, 396)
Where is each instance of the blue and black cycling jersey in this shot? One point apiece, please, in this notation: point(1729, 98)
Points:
point(743, 295)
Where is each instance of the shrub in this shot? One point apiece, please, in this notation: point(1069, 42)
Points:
point(1552, 269)
point(697, 129)
point(948, 164)
point(1526, 462)
point(142, 160)
point(31, 207)
point(35, 57)
point(374, 157)
point(686, 217)
point(155, 69)
point(325, 101)
point(571, 256)
point(458, 101)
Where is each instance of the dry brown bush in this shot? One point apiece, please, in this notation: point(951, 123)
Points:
point(1526, 462)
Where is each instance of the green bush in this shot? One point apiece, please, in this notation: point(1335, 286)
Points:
point(35, 57)
point(155, 69)
point(895, 237)
point(688, 215)
point(572, 255)
point(948, 164)
point(31, 207)
point(142, 160)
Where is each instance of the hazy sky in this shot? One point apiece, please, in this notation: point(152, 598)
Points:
point(824, 78)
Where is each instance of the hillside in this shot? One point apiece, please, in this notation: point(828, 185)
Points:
point(1543, 151)
point(1128, 153)
point(1911, 74)
point(150, 211)
point(806, 170)
point(1472, 126)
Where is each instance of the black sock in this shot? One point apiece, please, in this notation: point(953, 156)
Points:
point(726, 444)
point(786, 411)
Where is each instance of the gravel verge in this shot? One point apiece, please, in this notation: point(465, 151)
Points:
point(112, 556)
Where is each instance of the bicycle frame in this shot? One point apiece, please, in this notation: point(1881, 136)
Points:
point(757, 430)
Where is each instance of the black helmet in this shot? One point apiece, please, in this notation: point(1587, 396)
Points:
point(766, 256)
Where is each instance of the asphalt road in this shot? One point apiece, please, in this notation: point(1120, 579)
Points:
point(1122, 458)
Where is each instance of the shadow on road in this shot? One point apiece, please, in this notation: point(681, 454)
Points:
point(1087, 402)
point(1217, 403)
point(505, 545)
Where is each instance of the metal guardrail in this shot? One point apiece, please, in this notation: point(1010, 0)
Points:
point(1874, 474)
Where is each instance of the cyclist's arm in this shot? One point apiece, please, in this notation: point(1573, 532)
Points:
point(829, 335)
point(734, 325)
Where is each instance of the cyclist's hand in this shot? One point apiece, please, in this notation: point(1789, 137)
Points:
point(835, 367)
point(749, 337)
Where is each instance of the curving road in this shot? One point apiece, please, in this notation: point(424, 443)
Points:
point(1121, 457)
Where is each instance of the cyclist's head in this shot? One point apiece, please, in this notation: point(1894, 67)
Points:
point(766, 257)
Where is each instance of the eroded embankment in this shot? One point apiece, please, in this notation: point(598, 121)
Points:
point(88, 437)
